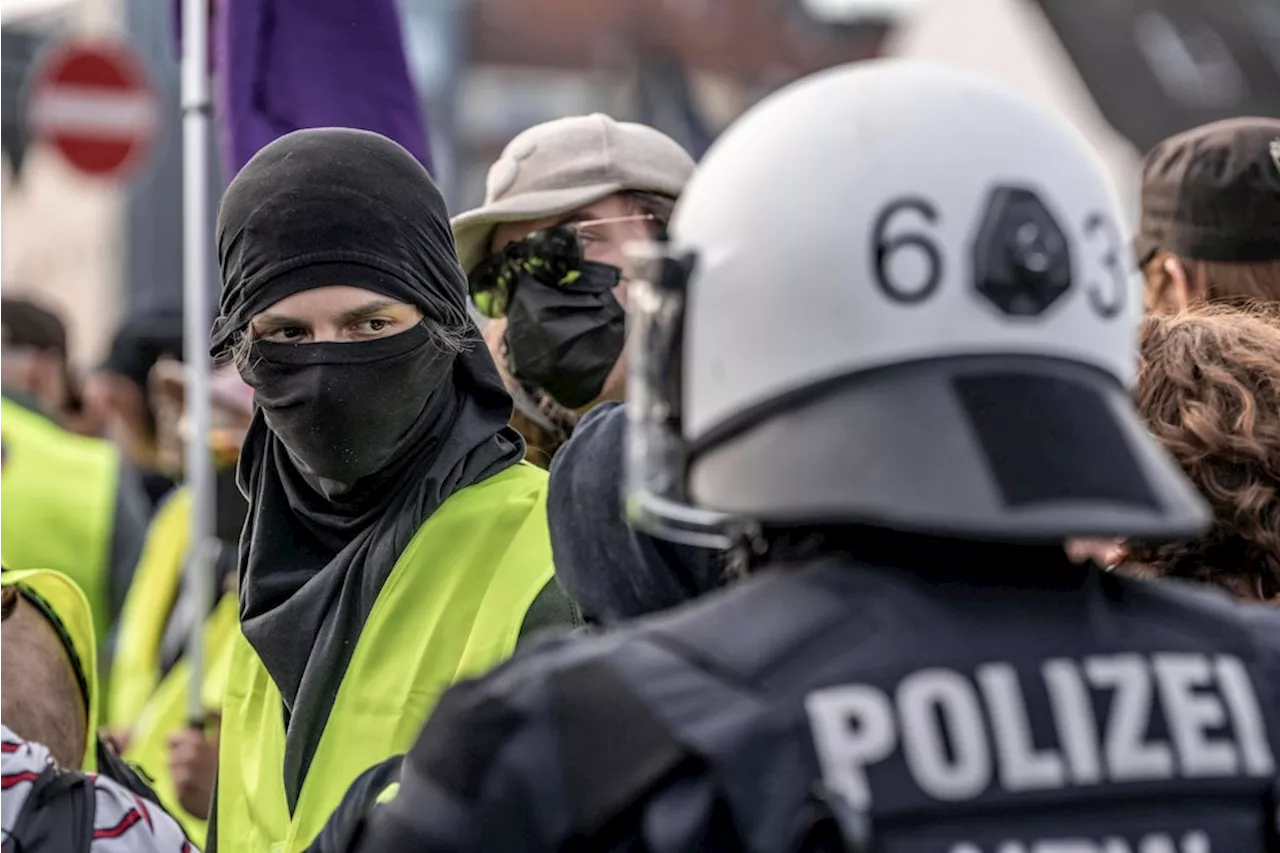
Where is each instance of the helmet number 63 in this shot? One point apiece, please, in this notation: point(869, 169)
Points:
point(1106, 298)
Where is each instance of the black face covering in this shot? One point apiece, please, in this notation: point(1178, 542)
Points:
point(231, 510)
point(353, 445)
point(565, 340)
point(344, 409)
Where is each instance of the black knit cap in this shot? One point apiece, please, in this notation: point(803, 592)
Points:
point(1213, 193)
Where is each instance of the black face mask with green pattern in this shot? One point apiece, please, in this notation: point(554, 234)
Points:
point(565, 329)
point(566, 340)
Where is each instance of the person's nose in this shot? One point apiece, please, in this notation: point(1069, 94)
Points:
point(326, 333)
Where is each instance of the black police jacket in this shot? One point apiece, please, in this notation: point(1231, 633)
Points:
point(1039, 709)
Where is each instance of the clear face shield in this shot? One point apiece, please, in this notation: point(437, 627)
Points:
point(657, 456)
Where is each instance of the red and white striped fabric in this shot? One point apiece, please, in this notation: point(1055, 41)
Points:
point(123, 822)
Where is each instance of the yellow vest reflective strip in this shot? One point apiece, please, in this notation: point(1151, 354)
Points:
point(452, 608)
point(68, 603)
point(135, 668)
point(165, 714)
point(58, 490)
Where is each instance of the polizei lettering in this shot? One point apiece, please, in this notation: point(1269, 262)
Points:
point(1191, 842)
point(959, 734)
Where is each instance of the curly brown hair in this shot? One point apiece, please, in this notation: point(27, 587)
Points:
point(1209, 391)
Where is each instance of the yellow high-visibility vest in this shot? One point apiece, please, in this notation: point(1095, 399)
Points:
point(58, 491)
point(165, 713)
point(452, 608)
point(135, 669)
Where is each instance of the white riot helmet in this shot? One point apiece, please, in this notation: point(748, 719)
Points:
point(895, 295)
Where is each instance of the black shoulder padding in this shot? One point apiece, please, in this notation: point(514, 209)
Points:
point(613, 749)
point(460, 764)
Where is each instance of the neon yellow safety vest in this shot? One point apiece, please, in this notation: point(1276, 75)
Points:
point(58, 490)
point(452, 608)
point(135, 669)
point(165, 713)
point(64, 598)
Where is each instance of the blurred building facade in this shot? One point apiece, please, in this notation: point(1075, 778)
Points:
point(688, 67)
point(1013, 41)
point(61, 234)
point(488, 69)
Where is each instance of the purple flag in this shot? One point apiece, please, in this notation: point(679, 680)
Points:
point(283, 65)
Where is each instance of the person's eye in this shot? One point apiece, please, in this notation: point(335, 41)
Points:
point(586, 238)
point(284, 334)
point(374, 325)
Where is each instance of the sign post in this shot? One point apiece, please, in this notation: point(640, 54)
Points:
point(196, 231)
point(94, 102)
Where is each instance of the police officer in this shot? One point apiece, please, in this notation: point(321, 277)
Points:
point(898, 383)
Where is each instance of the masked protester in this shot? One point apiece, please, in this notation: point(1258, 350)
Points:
point(543, 255)
point(890, 367)
point(395, 541)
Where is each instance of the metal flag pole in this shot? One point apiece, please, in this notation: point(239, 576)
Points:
point(196, 231)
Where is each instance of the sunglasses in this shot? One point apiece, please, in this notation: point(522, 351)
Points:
point(553, 255)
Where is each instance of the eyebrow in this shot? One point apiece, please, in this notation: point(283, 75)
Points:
point(362, 311)
point(348, 316)
point(277, 320)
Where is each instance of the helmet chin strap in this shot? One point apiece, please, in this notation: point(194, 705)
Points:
point(535, 405)
point(526, 405)
point(542, 410)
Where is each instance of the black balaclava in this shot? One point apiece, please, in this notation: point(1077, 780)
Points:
point(353, 445)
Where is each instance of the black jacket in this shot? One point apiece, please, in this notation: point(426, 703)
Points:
point(962, 711)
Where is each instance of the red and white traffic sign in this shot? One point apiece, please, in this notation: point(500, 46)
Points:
point(95, 102)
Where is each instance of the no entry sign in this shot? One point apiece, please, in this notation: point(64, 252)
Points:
point(95, 103)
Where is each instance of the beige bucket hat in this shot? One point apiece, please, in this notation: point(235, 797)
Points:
point(561, 165)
